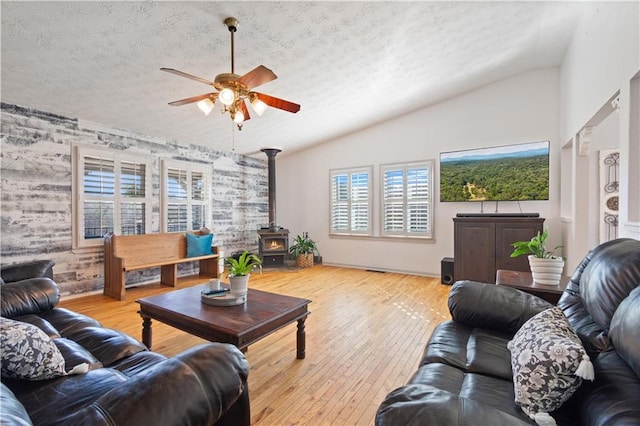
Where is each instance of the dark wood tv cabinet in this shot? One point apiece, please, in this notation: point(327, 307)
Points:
point(482, 245)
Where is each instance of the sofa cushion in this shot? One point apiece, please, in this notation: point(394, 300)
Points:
point(422, 404)
point(32, 296)
point(199, 245)
point(485, 305)
point(625, 330)
point(107, 345)
point(471, 349)
point(28, 353)
point(609, 278)
point(613, 397)
point(545, 357)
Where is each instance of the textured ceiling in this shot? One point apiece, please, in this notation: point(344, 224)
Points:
point(100, 61)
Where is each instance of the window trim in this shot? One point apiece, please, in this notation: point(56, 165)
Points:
point(349, 172)
point(164, 191)
point(429, 164)
point(79, 153)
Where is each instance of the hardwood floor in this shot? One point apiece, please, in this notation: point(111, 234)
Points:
point(365, 337)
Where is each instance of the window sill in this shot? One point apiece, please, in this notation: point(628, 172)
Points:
point(399, 238)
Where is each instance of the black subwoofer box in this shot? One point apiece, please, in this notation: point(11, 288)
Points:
point(446, 270)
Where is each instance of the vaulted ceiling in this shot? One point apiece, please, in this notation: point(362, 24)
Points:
point(349, 64)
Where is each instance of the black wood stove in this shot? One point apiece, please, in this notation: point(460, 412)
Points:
point(273, 244)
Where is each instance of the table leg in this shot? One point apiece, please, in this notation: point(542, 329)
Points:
point(146, 331)
point(301, 339)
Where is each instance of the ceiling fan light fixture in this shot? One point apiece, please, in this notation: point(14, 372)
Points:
point(258, 106)
point(227, 96)
point(234, 90)
point(238, 117)
point(206, 106)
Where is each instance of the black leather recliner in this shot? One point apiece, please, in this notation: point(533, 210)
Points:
point(465, 374)
point(127, 383)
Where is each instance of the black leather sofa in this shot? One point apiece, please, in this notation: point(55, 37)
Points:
point(126, 383)
point(465, 375)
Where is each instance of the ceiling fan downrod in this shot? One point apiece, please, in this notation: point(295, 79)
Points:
point(232, 24)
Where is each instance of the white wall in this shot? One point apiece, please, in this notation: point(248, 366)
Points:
point(522, 109)
point(602, 60)
point(604, 55)
point(605, 136)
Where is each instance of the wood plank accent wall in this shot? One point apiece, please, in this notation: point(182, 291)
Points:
point(36, 175)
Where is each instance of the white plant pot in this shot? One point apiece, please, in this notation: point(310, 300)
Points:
point(239, 285)
point(546, 271)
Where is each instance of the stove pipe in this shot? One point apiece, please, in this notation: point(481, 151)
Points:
point(271, 166)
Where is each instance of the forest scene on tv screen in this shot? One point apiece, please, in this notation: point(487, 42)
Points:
point(505, 173)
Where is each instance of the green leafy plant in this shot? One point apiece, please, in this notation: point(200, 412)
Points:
point(243, 265)
point(302, 244)
point(536, 247)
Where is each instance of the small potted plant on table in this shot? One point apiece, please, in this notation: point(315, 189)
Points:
point(240, 270)
point(302, 250)
point(546, 267)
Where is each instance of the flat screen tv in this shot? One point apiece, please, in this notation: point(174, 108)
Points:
point(501, 173)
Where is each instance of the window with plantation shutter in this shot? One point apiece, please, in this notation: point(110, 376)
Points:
point(407, 191)
point(351, 201)
point(186, 199)
point(133, 193)
point(111, 194)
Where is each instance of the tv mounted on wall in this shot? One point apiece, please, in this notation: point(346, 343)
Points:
point(502, 173)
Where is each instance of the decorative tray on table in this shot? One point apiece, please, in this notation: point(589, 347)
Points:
point(221, 297)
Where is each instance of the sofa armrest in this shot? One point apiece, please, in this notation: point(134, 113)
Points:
point(419, 405)
point(31, 296)
point(493, 306)
point(26, 270)
point(195, 387)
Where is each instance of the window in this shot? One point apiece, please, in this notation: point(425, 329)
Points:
point(351, 201)
point(111, 194)
point(407, 191)
point(186, 200)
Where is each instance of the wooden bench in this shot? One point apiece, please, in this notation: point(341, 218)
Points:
point(124, 253)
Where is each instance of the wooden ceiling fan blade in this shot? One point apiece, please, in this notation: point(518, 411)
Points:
point(245, 110)
point(257, 76)
point(193, 99)
point(189, 76)
point(278, 103)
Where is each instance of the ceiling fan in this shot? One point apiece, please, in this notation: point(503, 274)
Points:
point(233, 89)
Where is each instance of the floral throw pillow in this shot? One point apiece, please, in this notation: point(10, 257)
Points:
point(548, 363)
point(29, 354)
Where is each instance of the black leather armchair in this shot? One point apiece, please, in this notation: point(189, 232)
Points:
point(126, 383)
point(465, 374)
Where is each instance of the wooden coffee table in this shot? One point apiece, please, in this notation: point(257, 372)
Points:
point(524, 281)
point(262, 314)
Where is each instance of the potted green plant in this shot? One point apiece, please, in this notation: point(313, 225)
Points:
point(240, 268)
point(302, 250)
point(545, 266)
